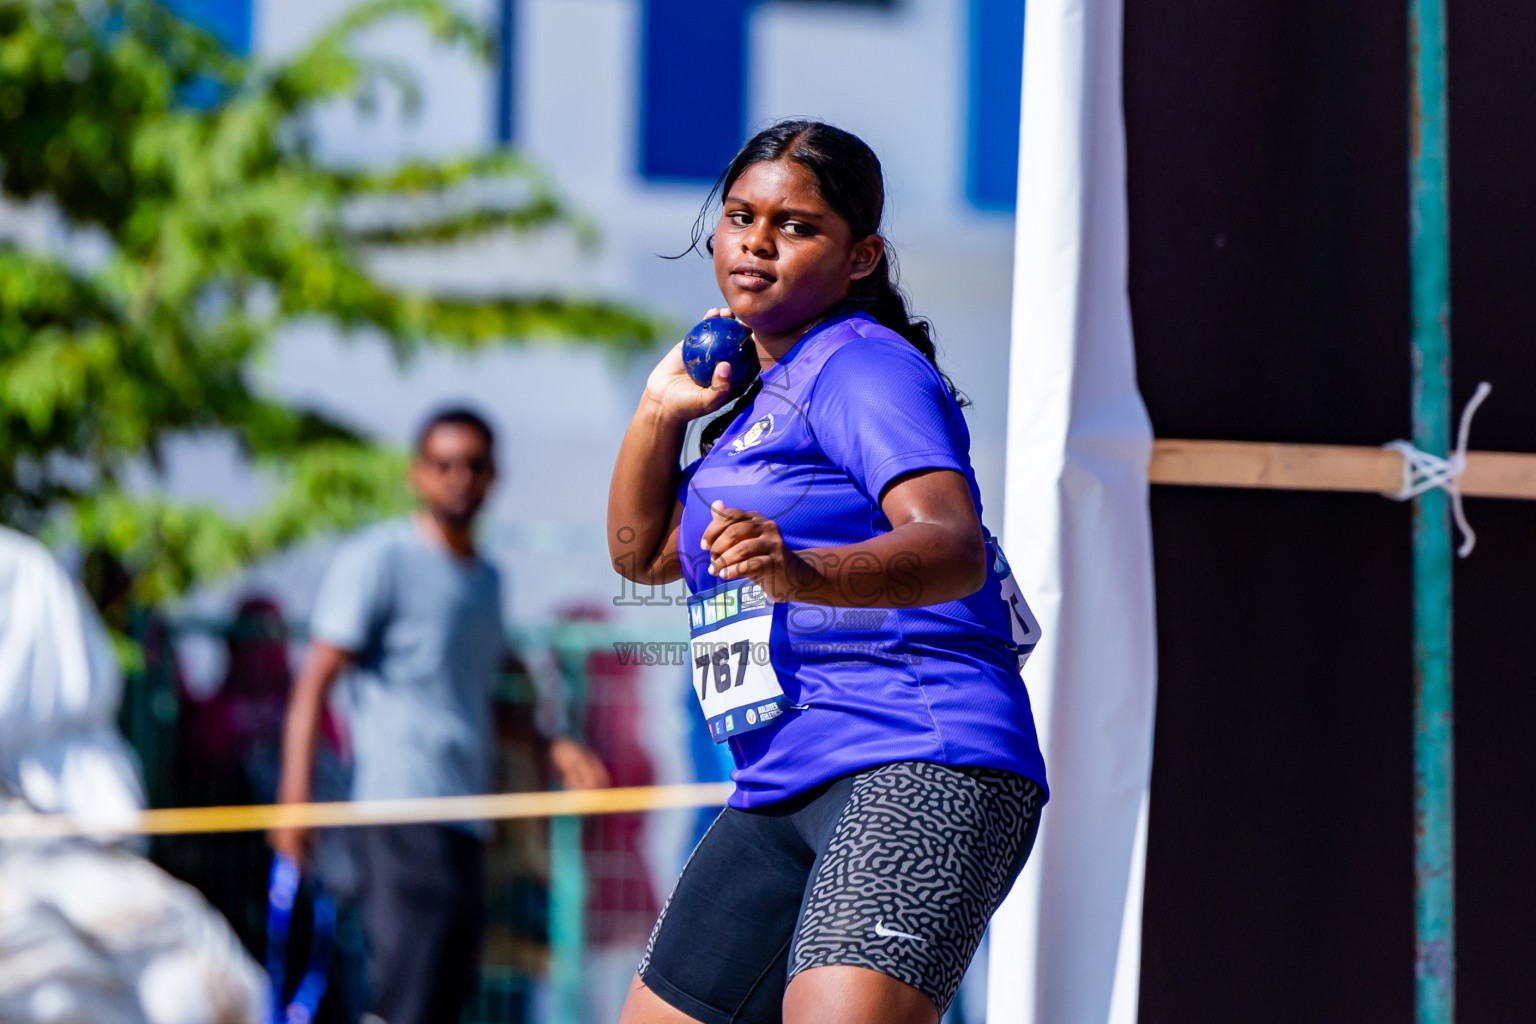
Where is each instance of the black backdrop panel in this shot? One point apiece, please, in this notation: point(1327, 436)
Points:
point(1269, 289)
point(1493, 284)
point(1280, 860)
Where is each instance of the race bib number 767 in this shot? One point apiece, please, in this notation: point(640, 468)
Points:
point(733, 679)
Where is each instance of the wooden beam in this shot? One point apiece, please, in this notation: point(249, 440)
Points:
point(1499, 475)
point(1326, 467)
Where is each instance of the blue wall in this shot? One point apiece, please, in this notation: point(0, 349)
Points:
point(693, 87)
point(996, 73)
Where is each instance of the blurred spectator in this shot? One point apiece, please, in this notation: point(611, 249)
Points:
point(225, 733)
point(88, 930)
point(411, 615)
point(231, 741)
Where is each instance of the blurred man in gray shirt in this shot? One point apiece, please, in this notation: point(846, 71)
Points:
point(411, 615)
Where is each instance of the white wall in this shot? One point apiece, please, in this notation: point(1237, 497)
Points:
point(895, 76)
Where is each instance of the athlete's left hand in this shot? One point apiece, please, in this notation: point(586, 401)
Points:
point(742, 543)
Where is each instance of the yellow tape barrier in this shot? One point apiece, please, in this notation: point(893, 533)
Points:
point(496, 806)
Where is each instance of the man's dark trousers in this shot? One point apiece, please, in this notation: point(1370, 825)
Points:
point(423, 909)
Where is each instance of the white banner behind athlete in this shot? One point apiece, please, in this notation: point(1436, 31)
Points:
point(1066, 946)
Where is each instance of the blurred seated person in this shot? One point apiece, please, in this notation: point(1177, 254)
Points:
point(89, 930)
point(411, 615)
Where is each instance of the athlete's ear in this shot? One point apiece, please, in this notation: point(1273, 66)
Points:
point(867, 253)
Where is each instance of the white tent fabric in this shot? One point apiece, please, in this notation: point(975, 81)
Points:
point(59, 692)
point(1065, 947)
point(90, 932)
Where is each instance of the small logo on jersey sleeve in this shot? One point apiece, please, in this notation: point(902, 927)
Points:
point(754, 435)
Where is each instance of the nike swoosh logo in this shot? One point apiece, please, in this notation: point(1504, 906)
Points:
point(891, 933)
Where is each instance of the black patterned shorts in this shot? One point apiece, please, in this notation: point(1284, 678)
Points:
point(897, 868)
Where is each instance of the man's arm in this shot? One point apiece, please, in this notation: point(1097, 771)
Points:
point(577, 765)
point(301, 730)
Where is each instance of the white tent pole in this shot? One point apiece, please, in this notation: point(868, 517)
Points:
point(1066, 946)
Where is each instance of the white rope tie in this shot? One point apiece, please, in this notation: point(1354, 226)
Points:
point(1424, 472)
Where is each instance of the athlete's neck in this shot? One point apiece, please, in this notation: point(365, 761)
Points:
point(457, 537)
point(773, 347)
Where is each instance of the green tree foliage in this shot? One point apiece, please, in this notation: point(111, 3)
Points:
point(220, 225)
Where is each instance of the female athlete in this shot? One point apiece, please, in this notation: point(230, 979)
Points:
point(853, 641)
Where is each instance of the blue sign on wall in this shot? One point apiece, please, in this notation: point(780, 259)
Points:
point(693, 87)
point(230, 20)
point(996, 76)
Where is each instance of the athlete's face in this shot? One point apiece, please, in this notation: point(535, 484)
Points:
point(783, 256)
point(453, 472)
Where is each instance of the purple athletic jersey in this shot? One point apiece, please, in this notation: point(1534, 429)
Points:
point(849, 409)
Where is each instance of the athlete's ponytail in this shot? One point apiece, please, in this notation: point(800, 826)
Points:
point(849, 177)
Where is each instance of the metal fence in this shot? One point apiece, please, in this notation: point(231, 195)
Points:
point(569, 901)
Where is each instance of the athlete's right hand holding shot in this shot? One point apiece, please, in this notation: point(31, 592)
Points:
point(856, 631)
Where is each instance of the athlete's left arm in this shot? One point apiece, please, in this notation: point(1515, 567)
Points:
point(935, 551)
